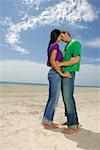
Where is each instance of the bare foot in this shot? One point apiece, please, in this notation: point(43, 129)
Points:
point(51, 126)
point(65, 123)
point(70, 131)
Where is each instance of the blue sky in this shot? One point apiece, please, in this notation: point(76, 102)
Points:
point(25, 27)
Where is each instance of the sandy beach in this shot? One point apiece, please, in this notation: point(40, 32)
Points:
point(21, 111)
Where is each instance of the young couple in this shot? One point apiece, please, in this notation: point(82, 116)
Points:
point(61, 76)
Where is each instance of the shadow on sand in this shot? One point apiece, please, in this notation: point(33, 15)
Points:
point(85, 139)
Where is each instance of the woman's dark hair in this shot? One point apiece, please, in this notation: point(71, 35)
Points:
point(53, 38)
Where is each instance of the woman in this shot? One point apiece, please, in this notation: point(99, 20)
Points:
point(54, 77)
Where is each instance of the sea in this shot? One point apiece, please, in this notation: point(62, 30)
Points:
point(40, 84)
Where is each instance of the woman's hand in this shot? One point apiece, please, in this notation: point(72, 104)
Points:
point(66, 74)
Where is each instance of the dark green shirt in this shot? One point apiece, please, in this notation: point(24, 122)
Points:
point(71, 50)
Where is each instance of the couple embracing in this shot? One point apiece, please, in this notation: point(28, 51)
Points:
point(61, 76)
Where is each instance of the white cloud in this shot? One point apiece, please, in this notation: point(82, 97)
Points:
point(13, 38)
point(89, 75)
point(95, 43)
point(23, 71)
point(35, 2)
point(29, 71)
point(19, 49)
point(90, 60)
point(69, 11)
point(31, 3)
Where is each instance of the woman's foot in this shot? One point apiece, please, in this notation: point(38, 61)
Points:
point(65, 123)
point(51, 126)
point(70, 131)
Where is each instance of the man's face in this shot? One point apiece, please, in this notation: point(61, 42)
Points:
point(64, 37)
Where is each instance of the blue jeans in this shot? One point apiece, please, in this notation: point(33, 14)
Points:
point(54, 91)
point(67, 89)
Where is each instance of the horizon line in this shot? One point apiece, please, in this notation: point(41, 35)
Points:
point(41, 84)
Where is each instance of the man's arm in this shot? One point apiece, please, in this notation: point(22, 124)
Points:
point(74, 60)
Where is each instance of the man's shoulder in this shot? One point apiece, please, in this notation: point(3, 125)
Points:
point(75, 42)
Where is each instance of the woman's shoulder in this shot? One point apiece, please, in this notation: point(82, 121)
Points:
point(54, 46)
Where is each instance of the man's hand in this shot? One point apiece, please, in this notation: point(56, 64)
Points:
point(72, 61)
point(59, 63)
point(75, 59)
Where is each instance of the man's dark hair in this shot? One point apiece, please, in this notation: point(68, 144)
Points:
point(63, 31)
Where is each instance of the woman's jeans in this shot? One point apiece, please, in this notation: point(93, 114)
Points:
point(67, 88)
point(54, 92)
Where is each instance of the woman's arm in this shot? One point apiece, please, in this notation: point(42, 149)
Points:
point(55, 65)
point(53, 62)
point(74, 60)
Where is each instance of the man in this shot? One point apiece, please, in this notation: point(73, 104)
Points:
point(71, 63)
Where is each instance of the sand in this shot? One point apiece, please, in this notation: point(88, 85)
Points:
point(21, 111)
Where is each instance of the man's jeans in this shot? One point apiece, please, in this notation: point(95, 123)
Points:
point(67, 88)
point(54, 91)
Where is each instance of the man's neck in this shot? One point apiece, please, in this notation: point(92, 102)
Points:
point(69, 40)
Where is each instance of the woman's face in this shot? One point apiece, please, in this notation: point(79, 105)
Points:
point(59, 38)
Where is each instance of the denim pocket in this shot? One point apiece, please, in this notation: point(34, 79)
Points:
point(50, 75)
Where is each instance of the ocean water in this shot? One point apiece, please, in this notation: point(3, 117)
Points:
point(40, 84)
point(22, 83)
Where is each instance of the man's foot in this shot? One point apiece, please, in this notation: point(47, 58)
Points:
point(70, 131)
point(51, 126)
